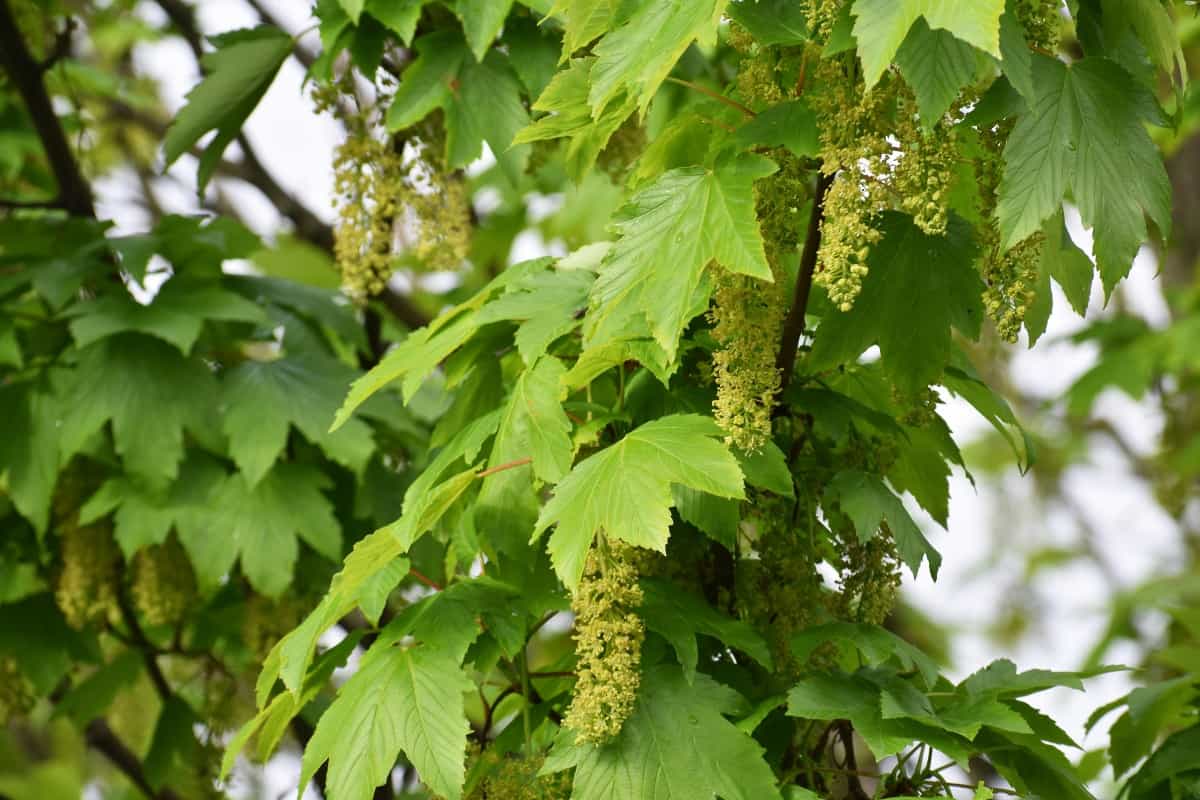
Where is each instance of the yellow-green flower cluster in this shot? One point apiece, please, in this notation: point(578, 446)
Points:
point(369, 189)
point(821, 16)
point(266, 621)
point(747, 318)
point(870, 580)
point(925, 170)
point(1042, 21)
point(608, 644)
point(88, 580)
point(17, 697)
point(163, 585)
point(1011, 278)
point(781, 592)
point(847, 236)
point(518, 779)
point(757, 78)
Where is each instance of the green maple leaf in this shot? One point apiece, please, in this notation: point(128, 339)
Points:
point(687, 218)
point(918, 288)
point(400, 16)
point(868, 502)
point(881, 26)
point(238, 74)
point(568, 114)
point(401, 699)
point(481, 21)
point(404, 698)
point(677, 745)
point(144, 516)
point(547, 305)
point(150, 393)
point(936, 64)
point(625, 489)
point(176, 315)
point(263, 400)
point(583, 21)
point(637, 57)
point(262, 522)
point(29, 452)
point(481, 100)
point(1084, 133)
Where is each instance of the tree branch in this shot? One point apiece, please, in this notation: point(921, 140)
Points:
point(74, 193)
point(101, 738)
point(793, 325)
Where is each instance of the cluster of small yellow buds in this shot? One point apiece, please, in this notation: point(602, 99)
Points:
point(740, 39)
point(847, 237)
point(163, 584)
point(1042, 21)
point(608, 643)
point(780, 592)
point(758, 78)
point(368, 187)
point(747, 318)
point(1011, 278)
point(821, 16)
point(924, 173)
point(17, 697)
point(518, 779)
point(88, 580)
point(870, 580)
point(854, 123)
point(624, 147)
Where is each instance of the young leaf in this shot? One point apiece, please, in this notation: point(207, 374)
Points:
point(425, 84)
point(678, 745)
point(687, 218)
point(881, 26)
point(937, 65)
point(482, 20)
point(625, 489)
point(639, 55)
point(238, 75)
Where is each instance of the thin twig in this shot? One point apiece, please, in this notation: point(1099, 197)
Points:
point(520, 462)
point(101, 738)
point(746, 111)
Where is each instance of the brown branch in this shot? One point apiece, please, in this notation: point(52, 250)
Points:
point(793, 325)
point(103, 739)
point(74, 193)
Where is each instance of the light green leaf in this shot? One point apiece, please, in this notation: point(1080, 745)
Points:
point(882, 25)
point(937, 65)
point(262, 522)
point(238, 74)
point(353, 9)
point(583, 21)
point(150, 393)
point(625, 489)
point(569, 115)
point(868, 502)
point(677, 745)
point(918, 288)
point(767, 468)
point(638, 56)
point(481, 21)
point(264, 399)
point(679, 617)
point(401, 699)
point(1084, 133)
point(687, 218)
point(547, 305)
